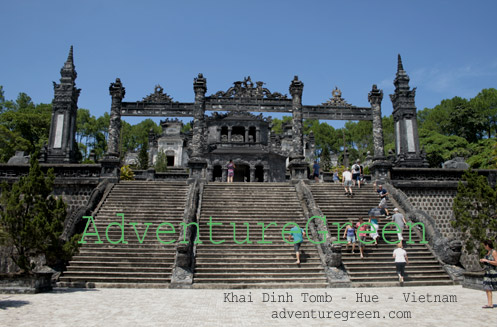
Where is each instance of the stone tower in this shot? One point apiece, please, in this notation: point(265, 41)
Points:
point(61, 142)
point(408, 153)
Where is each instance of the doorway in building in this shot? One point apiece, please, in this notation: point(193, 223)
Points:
point(170, 158)
point(259, 174)
point(242, 173)
point(217, 174)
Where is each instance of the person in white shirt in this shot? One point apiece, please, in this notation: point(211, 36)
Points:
point(401, 261)
point(347, 182)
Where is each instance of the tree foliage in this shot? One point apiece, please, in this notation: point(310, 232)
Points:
point(161, 162)
point(143, 157)
point(440, 148)
point(24, 126)
point(475, 210)
point(32, 218)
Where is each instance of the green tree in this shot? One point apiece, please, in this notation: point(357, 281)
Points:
point(161, 162)
point(482, 154)
point(361, 136)
point(388, 133)
point(278, 124)
point(440, 148)
point(485, 103)
point(325, 160)
point(32, 217)
point(143, 156)
point(475, 210)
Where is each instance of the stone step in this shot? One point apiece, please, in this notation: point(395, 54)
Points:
point(257, 266)
point(395, 283)
point(255, 270)
point(117, 274)
point(256, 260)
point(257, 280)
point(419, 277)
point(122, 259)
point(137, 265)
point(295, 274)
point(84, 284)
point(260, 285)
point(82, 280)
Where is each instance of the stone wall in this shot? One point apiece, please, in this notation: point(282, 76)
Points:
point(433, 191)
point(74, 195)
point(438, 204)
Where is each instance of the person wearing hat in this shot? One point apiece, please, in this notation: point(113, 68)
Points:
point(399, 219)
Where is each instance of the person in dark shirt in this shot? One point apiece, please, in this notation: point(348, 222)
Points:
point(315, 174)
point(383, 199)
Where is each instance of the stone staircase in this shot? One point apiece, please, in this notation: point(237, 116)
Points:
point(377, 269)
point(148, 264)
point(231, 265)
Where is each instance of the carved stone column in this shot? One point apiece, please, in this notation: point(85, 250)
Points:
point(117, 93)
point(297, 166)
point(380, 169)
point(224, 176)
point(296, 89)
point(229, 133)
point(246, 135)
point(111, 161)
point(197, 162)
point(252, 174)
point(374, 98)
point(258, 135)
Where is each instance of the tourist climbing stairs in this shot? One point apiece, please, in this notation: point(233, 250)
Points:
point(377, 268)
point(135, 264)
point(255, 265)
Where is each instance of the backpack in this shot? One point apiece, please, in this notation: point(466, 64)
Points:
point(356, 168)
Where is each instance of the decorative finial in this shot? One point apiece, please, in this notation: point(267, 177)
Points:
point(69, 57)
point(399, 63)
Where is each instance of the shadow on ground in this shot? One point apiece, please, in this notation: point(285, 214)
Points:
point(5, 304)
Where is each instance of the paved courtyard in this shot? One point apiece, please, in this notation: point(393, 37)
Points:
point(433, 306)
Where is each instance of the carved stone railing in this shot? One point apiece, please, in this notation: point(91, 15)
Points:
point(447, 251)
point(182, 275)
point(434, 177)
point(84, 173)
point(75, 218)
point(151, 174)
point(329, 253)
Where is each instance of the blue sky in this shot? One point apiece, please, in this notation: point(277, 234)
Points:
point(448, 47)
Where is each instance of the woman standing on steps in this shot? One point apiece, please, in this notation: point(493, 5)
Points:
point(401, 261)
point(490, 277)
point(231, 171)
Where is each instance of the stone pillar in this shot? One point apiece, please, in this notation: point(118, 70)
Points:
point(257, 135)
point(224, 176)
point(246, 135)
point(218, 134)
point(296, 89)
point(111, 161)
point(408, 152)
point(266, 175)
point(117, 93)
point(380, 169)
point(297, 166)
point(61, 140)
point(229, 133)
point(252, 174)
point(197, 162)
point(374, 98)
